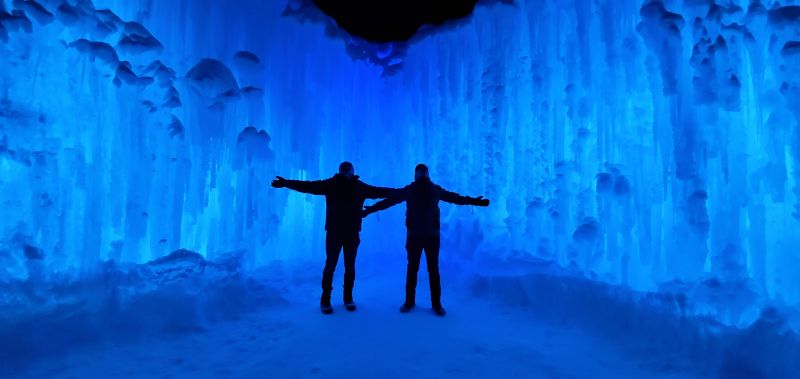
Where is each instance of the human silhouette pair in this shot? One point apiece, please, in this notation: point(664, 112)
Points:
point(344, 197)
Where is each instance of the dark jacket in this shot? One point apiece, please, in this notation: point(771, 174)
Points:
point(344, 199)
point(422, 205)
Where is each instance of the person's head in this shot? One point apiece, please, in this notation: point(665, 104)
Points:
point(347, 169)
point(421, 172)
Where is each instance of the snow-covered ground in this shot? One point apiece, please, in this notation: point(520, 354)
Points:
point(479, 338)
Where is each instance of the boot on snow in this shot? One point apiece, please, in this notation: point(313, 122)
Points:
point(325, 305)
point(406, 307)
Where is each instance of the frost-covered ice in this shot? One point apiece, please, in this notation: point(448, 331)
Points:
point(478, 339)
point(183, 316)
point(650, 147)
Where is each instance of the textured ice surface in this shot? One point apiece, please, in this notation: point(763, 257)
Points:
point(176, 294)
point(652, 144)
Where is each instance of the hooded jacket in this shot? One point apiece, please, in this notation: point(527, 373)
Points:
point(422, 198)
point(344, 199)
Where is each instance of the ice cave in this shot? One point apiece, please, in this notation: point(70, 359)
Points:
point(611, 189)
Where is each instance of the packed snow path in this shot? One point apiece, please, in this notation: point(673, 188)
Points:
point(477, 339)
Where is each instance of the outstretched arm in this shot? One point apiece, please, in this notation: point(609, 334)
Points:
point(452, 197)
point(396, 197)
point(372, 192)
point(316, 187)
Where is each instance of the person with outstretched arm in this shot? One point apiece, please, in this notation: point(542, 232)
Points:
point(344, 198)
point(422, 223)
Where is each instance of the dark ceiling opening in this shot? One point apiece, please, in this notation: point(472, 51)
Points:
point(392, 20)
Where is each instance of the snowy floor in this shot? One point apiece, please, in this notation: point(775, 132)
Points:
point(476, 339)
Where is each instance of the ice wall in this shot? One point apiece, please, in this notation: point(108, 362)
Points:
point(653, 144)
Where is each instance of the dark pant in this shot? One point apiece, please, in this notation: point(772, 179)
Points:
point(335, 242)
point(415, 244)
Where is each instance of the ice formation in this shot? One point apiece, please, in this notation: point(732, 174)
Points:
point(648, 144)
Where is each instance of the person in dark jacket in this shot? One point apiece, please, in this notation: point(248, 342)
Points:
point(344, 198)
point(422, 223)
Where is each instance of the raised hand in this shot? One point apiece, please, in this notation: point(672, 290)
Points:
point(279, 182)
point(481, 202)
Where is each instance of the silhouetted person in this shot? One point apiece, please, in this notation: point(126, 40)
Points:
point(344, 199)
point(422, 223)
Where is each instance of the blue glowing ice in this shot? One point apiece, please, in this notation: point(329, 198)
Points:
point(653, 144)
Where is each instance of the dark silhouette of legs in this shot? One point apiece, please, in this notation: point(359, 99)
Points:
point(414, 246)
point(334, 244)
point(350, 245)
point(432, 260)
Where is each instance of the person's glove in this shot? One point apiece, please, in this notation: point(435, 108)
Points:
point(481, 202)
point(279, 182)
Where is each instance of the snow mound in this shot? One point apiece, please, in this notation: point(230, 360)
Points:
point(178, 293)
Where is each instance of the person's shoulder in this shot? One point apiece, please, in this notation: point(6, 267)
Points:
point(328, 182)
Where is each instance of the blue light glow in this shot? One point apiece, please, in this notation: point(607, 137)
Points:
point(647, 144)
